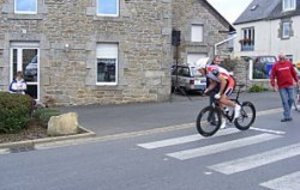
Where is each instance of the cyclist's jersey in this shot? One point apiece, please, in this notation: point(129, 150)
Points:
point(213, 71)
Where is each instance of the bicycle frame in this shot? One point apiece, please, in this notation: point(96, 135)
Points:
point(230, 118)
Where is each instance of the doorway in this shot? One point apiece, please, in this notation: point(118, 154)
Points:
point(25, 58)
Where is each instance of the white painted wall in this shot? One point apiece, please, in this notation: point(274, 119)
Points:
point(267, 41)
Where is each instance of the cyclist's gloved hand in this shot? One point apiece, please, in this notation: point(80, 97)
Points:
point(218, 96)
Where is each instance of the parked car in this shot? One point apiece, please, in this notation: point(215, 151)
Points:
point(30, 72)
point(188, 78)
point(262, 66)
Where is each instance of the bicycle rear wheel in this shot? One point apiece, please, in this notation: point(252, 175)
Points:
point(247, 117)
point(208, 121)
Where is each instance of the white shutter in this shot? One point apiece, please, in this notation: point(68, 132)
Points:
point(197, 33)
point(106, 50)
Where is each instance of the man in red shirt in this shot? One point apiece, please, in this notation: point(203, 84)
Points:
point(284, 75)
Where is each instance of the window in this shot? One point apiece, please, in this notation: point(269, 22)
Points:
point(25, 6)
point(197, 33)
point(288, 5)
point(286, 29)
point(107, 64)
point(247, 40)
point(108, 7)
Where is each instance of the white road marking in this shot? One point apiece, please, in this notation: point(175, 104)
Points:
point(221, 147)
point(4, 151)
point(287, 182)
point(254, 161)
point(268, 131)
point(185, 139)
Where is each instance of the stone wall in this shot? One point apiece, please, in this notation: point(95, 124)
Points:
point(241, 74)
point(142, 32)
point(189, 12)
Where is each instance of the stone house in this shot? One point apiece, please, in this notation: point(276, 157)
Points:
point(98, 51)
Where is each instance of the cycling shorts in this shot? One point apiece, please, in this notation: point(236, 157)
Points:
point(229, 86)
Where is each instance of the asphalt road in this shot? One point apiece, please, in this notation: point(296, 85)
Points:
point(265, 157)
point(112, 119)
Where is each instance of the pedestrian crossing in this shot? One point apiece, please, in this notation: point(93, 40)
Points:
point(244, 163)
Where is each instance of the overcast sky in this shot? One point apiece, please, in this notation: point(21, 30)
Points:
point(230, 9)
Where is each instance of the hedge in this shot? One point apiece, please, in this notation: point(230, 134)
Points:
point(14, 112)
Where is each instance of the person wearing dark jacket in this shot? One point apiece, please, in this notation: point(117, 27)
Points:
point(282, 78)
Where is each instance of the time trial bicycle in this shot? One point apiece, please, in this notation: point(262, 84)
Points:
point(210, 118)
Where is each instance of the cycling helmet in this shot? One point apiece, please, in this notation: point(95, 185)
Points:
point(201, 63)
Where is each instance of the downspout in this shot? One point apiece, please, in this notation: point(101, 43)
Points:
point(222, 42)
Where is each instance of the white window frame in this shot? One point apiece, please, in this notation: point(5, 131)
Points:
point(109, 15)
point(288, 5)
point(20, 47)
point(108, 57)
point(25, 12)
point(286, 33)
point(195, 29)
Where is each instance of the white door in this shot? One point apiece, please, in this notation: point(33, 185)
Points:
point(192, 58)
point(25, 58)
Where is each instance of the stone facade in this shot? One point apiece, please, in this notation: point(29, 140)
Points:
point(68, 31)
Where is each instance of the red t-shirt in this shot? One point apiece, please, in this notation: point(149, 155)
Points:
point(284, 73)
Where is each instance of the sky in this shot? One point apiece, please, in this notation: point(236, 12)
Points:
point(230, 9)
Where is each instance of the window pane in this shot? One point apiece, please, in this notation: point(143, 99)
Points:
point(30, 65)
point(109, 7)
point(32, 91)
point(106, 70)
point(26, 5)
point(285, 30)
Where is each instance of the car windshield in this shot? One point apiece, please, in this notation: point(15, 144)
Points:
point(195, 72)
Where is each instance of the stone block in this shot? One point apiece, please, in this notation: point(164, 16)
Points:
point(65, 124)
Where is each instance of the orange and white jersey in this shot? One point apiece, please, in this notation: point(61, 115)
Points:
point(213, 71)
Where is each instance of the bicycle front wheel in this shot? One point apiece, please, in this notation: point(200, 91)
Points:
point(208, 121)
point(247, 117)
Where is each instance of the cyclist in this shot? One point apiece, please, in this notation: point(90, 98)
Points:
point(218, 76)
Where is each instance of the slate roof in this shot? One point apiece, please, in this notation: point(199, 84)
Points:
point(265, 10)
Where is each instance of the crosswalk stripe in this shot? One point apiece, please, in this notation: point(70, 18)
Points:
point(257, 160)
point(287, 182)
point(220, 147)
point(4, 151)
point(268, 131)
point(184, 139)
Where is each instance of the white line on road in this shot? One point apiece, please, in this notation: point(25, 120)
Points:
point(287, 182)
point(268, 131)
point(185, 139)
point(4, 151)
point(250, 162)
point(220, 147)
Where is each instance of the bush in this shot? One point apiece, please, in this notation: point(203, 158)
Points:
point(14, 112)
point(43, 115)
point(257, 88)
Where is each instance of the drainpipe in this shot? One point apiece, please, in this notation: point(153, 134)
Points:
point(222, 42)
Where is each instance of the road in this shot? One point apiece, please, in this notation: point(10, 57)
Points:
point(264, 157)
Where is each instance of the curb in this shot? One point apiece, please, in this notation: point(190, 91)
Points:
point(90, 136)
point(31, 143)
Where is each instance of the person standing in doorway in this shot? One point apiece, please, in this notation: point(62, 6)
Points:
point(283, 73)
point(18, 85)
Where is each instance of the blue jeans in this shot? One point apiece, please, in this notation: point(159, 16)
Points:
point(287, 98)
